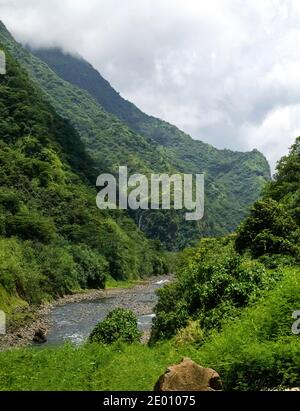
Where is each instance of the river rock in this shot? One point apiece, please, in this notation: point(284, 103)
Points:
point(189, 376)
point(39, 336)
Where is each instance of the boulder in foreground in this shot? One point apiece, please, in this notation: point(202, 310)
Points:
point(189, 376)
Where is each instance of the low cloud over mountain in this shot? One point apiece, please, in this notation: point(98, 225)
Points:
point(227, 72)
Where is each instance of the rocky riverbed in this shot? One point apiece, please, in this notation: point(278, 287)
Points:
point(72, 317)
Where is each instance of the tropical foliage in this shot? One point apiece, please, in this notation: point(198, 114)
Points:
point(273, 226)
point(53, 238)
point(209, 289)
point(119, 325)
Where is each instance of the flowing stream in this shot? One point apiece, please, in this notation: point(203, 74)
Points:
point(74, 321)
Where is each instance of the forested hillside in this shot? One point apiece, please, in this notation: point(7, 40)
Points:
point(53, 238)
point(233, 180)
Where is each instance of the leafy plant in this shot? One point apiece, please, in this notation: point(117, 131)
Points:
point(120, 325)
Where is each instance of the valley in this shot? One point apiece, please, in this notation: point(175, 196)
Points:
point(97, 280)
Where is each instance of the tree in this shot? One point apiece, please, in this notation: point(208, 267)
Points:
point(269, 229)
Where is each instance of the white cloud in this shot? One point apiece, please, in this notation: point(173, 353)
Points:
point(271, 136)
point(226, 71)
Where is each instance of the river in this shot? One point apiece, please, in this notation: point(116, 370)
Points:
point(74, 321)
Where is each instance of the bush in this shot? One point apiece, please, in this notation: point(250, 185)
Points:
point(9, 200)
point(120, 325)
point(19, 274)
point(191, 334)
point(273, 261)
point(58, 267)
point(37, 272)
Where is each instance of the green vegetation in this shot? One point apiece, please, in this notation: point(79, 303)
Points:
point(92, 367)
point(273, 226)
point(53, 239)
point(255, 352)
point(209, 289)
point(240, 293)
point(225, 310)
point(259, 351)
point(119, 325)
point(219, 278)
point(269, 229)
point(116, 133)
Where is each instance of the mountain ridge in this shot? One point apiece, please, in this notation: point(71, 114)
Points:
point(105, 94)
point(233, 179)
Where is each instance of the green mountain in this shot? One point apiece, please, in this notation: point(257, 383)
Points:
point(233, 180)
point(191, 155)
point(53, 238)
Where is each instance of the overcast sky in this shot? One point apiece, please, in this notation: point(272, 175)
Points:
point(225, 71)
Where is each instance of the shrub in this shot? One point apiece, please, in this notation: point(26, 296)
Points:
point(9, 200)
point(191, 334)
point(19, 275)
point(120, 325)
point(58, 267)
point(273, 261)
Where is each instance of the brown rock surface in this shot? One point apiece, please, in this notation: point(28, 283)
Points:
point(188, 376)
point(40, 336)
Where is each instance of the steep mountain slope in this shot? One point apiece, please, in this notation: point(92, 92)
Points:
point(103, 134)
point(53, 239)
point(233, 180)
point(195, 154)
point(240, 170)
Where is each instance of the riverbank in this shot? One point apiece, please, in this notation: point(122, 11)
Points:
point(38, 318)
point(35, 319)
